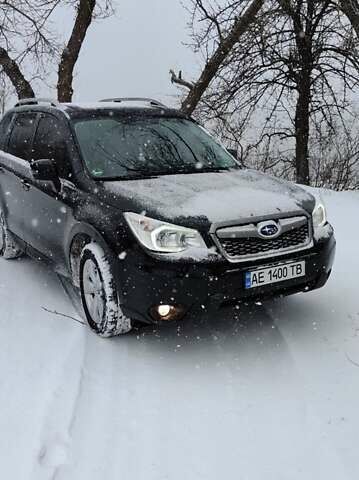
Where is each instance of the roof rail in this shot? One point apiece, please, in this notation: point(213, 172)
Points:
point(154, 103)
point(36, 101)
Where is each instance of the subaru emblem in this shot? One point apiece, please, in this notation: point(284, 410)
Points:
point(268, 229)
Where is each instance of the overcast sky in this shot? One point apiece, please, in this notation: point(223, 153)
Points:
point(131, 53)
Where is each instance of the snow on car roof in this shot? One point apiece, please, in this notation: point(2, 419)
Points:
point(93, 107)
point(112, 105)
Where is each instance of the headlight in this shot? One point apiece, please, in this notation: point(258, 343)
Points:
point(161, 236)
point(319, 214)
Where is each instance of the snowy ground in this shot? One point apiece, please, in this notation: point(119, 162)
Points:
point(266, 392)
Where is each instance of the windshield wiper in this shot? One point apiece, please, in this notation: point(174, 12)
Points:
point(202, 170)
point(143, 174)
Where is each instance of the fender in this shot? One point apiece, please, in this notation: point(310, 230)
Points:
point(84, 229)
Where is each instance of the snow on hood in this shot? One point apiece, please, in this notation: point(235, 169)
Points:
point(220, 196)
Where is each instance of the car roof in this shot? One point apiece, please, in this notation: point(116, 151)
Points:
point(126, 106)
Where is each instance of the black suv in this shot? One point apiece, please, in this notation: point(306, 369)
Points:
point(149, 215)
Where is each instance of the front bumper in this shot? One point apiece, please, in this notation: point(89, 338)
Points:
point(144, 282)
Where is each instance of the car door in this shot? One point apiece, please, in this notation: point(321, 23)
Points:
point(48, 209)
point(15, 174)
point(5, 125)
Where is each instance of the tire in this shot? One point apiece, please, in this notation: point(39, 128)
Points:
point(9, 248)
point(99, 294)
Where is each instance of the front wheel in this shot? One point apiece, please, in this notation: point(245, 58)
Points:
point(99, 294)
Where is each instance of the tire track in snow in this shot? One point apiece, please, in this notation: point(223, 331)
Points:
point(32, 347)
point(96, 428)
point(157, 393)
point(55, 441)
point(73, 295)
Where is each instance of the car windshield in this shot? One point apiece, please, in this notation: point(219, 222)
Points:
point(127, 147)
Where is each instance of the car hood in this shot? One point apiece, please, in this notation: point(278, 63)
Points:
point(213, 197)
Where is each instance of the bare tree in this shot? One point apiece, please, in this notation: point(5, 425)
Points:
point(24, 36)
point(244, 14)
point(313, 54)
point(86, 12)
point(71, 52)
point(15, 75)
point(295, 67)
point(334, 156)
point(28, 41)
point(351, 9)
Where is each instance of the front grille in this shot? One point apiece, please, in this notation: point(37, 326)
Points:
point(257, 247)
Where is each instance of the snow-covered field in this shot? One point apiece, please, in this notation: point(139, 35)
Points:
point(266, 392)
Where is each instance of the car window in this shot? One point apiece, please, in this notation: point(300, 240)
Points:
point(124, 147)
point(4, 129)
point(21, 135)
point(50, 143)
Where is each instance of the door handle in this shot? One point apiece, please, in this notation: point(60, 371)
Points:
point(25, 185)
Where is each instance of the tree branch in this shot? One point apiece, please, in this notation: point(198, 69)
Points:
point(12, 70)
point(240, 26)
point(179, 80)
point(54, 312)
point(351, 9)
point(71, 52)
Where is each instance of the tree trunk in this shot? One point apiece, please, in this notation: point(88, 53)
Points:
point(351, 9)
point(12, 70)
point(304, 43)
point(240, 26)
point(71, 52)
point(302, 131)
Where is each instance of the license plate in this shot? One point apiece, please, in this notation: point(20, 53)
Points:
point(275, 274)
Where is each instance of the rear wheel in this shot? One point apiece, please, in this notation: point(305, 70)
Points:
point(9, 248)
point(99, 294)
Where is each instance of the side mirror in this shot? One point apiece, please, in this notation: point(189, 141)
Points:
point(46, 171)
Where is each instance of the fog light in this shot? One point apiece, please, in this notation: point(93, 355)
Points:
point(167, 313)
point(164, 310)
